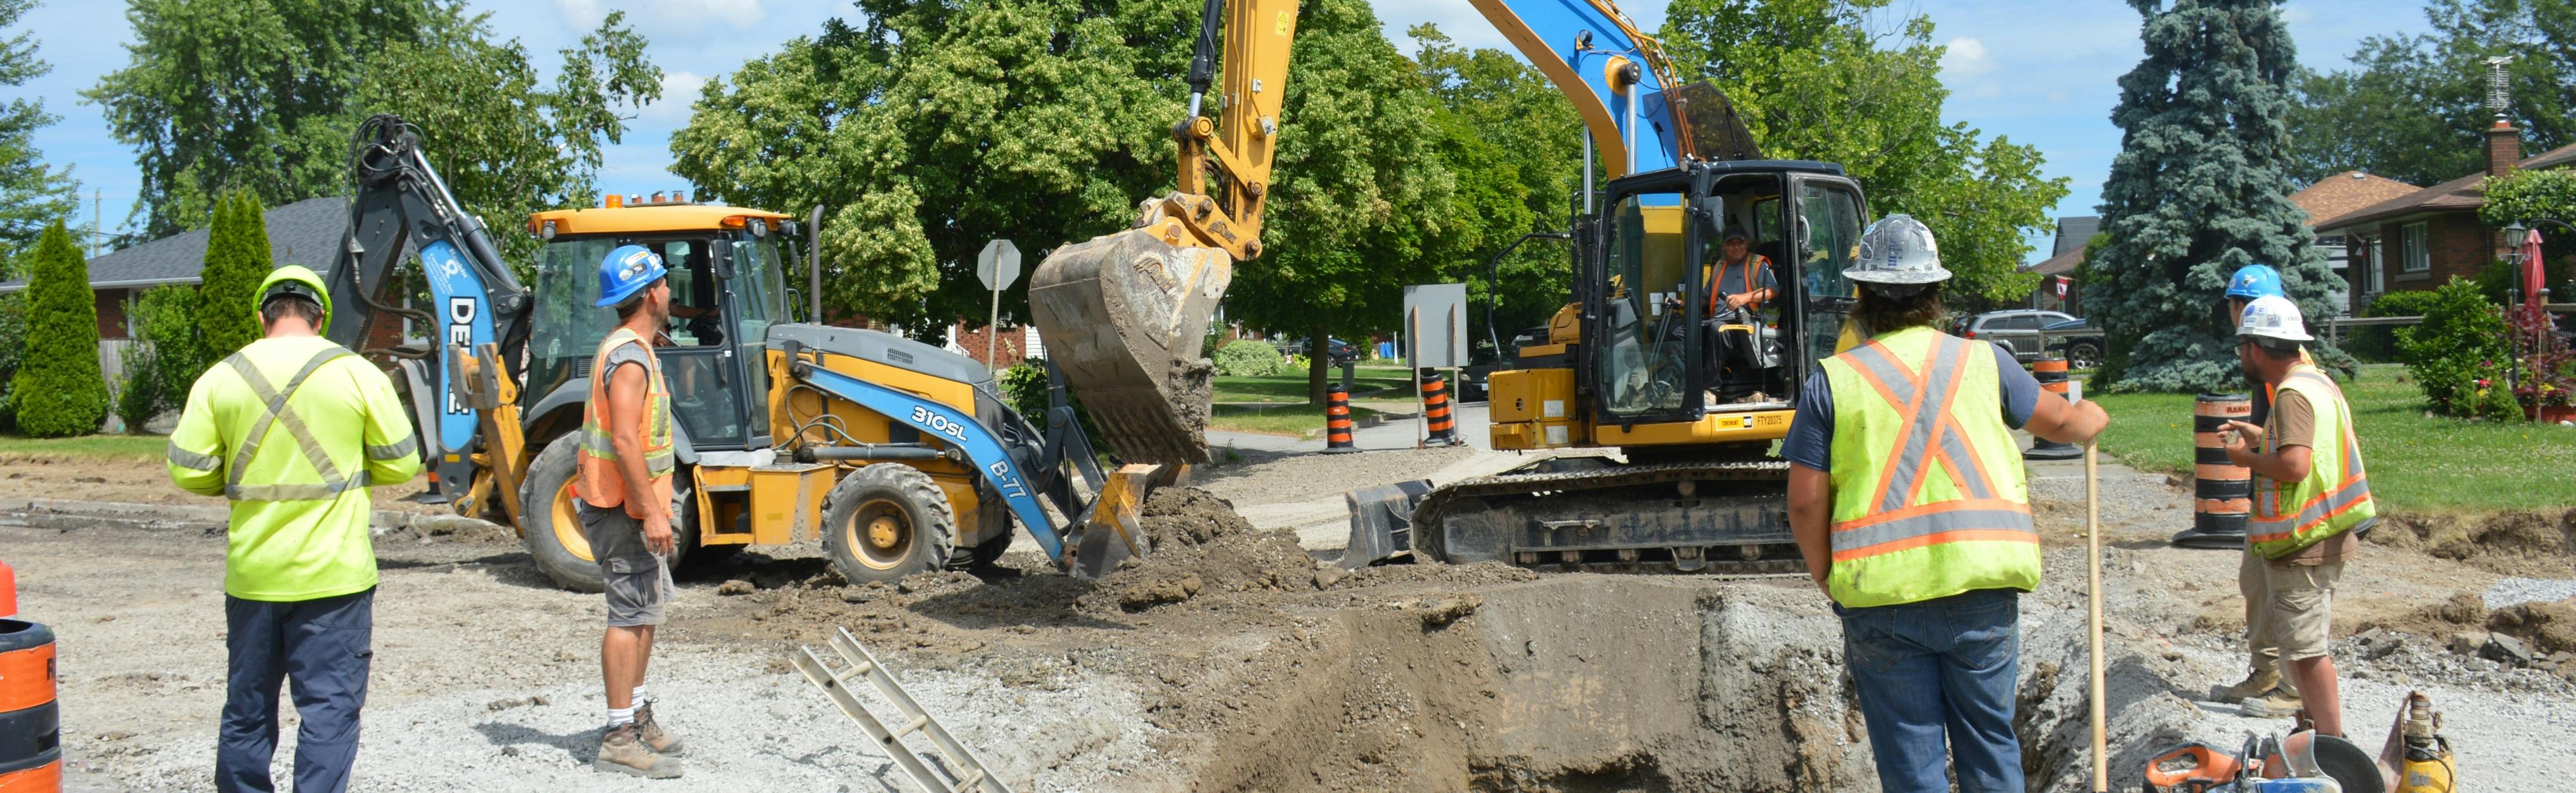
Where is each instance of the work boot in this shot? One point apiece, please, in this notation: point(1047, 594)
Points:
point(661, 740)
point(2256, 683)
point(622, 750)
point(2280, 701)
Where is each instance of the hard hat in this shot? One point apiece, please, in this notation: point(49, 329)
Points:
point(299, 281)
point(1898, 250)
point(2273, 317)
point(2255, 280)
point(627, 270)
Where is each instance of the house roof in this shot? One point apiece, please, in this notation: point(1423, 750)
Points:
point(2342, 193)
point(2062, 263)
point(2073, 232)
point(2465, 193)
point(306, 232)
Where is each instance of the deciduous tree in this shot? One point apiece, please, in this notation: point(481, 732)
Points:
point(31, 192)
point(2198, 190)
point(59, 389)
point(2411, 106)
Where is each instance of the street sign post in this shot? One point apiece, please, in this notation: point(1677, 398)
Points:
point(998, 267)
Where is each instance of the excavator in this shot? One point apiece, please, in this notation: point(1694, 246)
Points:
point(1644, 360)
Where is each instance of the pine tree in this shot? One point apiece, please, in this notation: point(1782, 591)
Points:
point(2200, 188)
point(59, 389)
point(236, 261)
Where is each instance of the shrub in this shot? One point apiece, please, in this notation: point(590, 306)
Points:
point(13, 348)
point(236, 261)
point(1249, 358)
point(1024, 387)
point(138, 393)
point(59, 390)
point(164, 359)
point(2458, 354)
point(2378, 343)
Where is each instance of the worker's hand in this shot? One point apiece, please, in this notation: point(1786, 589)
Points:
point(2249, 436)
point(657, 533)
point(1738, 300)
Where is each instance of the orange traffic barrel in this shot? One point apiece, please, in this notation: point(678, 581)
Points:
point(1442, 428)
point(8, 591)
point(2222, 491)
point(2051, 374)
point(31, 736)
point(1337, 420)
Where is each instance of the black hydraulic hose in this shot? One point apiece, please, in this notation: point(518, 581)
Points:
point(1203, 60)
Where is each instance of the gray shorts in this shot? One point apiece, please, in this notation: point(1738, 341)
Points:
point(637, 582)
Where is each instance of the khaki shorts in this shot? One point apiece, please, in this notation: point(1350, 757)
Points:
point(2294, 611)
point(636, 581)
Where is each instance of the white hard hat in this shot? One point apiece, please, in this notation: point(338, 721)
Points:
point(2273, 317)
point(1898, 250)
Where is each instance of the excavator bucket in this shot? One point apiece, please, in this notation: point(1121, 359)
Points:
point(1123, 316)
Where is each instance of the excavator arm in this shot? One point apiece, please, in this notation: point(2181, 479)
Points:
point(464, 395)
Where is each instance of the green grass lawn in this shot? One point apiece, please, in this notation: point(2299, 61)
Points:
point(146, 447)
point(1292, 387)
point(2415, 463)
point(1301, 421)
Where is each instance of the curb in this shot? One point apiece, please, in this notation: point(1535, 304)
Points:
point(182, 515)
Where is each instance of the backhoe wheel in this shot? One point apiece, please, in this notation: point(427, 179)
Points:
point(886, 521)
point(554, 536)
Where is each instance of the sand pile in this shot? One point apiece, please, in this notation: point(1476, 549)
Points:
point(1201, 546)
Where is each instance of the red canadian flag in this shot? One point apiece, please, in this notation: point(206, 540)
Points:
point(2061, 285)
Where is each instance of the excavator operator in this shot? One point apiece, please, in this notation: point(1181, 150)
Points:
point(1744, 277)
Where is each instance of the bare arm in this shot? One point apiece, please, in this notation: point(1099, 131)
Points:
point(626, 390)
point(2287, 464)
point(2066, 422)
point(1810, 504)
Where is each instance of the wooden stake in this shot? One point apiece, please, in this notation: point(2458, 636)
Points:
point(2093, 594)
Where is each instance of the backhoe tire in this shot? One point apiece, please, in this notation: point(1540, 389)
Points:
point(554, 535)
point(886, 521)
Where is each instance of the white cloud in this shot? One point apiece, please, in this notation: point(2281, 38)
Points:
point(1966, 57)
point(679, 90)
point(665, 18)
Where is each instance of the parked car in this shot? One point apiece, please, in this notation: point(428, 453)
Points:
point(2077, 341)
point(1342, 351)
point(2018, 329)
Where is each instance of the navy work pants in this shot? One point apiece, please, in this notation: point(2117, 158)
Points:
point(1941, 668)
point(322, 647)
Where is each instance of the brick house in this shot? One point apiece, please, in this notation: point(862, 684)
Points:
point(2339, 195)
point(2064, 255)
point(2419, 240)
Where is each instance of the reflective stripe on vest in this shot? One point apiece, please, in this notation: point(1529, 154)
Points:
point(1717, 273)
point(602, 484)
point(276, 412)
point(2335, 496)
point(1899, 533)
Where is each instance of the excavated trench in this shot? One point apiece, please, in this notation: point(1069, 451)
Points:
point(1586, 683)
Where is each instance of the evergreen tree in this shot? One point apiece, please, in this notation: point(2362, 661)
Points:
point(236, 261)
point(59, 389)
point(2199, 189)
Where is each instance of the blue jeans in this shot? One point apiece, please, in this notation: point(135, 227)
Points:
point(1939, 666)
point(323, 647)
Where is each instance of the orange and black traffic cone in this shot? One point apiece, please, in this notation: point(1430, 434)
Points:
point(1443, 429)
point(1337, 420)
point(2051, 374)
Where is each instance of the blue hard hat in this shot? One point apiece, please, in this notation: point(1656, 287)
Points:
point(2255, 280)
point(626, 271)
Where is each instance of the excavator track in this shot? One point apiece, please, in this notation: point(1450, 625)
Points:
point(1597, 514)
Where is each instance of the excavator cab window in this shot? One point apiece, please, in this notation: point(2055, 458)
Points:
point(698, 361)
point(1644, 321)
point(1832, 216)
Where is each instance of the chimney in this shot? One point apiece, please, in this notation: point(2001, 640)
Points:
point(2504, 148)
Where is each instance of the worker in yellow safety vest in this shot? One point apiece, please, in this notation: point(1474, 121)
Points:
point(293, 429)
point(2310, 501)
point(626, 464)
point(1906, 496)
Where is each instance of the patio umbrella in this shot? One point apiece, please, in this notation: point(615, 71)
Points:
point(2532, 276)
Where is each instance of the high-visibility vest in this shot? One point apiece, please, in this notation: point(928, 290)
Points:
point(2335, 496)
point(292, 431)
point(601, 483)
point(1929, 498)
point(1753, 263)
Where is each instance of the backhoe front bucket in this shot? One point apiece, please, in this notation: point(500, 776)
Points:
point(1123, 316)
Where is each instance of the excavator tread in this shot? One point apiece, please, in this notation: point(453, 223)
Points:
point(1573, 487)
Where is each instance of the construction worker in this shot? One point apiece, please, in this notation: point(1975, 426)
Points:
point(293, 430)
point(1743, 276)
point(627, 503)
point(2263, 674)
point(2310, 501)
point(1906, 496)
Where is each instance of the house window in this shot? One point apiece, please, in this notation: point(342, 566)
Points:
point(2418, 256)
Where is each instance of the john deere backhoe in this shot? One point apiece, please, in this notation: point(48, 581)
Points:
point(1641, 360)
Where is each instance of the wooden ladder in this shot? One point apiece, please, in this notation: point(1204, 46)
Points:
point(968, 772)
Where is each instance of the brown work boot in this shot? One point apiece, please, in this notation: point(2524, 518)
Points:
point(2280, 701)
point(2256, 683)
point(661, 740)
point(622, 750)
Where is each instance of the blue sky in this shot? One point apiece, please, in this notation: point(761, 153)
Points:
point(2041, 73)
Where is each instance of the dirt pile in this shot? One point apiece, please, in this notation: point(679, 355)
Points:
point(2545, 627)
point(2515, 542)
point(2464, 611)
point(1201, 546)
